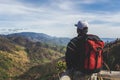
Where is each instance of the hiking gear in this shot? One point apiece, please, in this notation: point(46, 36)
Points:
point(82, 25)
point(84, 53)
point(93, 60)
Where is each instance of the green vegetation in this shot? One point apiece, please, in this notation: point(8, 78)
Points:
point(23, 59)
point(12, 64)
point(61, 66)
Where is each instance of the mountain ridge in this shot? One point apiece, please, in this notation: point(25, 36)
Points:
point(42, 37)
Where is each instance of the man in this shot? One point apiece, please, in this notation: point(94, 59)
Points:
point(75, 55)
point(76, 46)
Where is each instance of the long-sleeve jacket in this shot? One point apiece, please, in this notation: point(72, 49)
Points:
point(75, 49)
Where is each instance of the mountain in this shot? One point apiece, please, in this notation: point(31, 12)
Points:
point(19, 54)
point(34, 56)
point(40, 37)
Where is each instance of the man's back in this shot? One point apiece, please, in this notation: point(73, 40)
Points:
point(76, 52)
point(77, 56)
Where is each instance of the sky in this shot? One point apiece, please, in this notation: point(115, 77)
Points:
point(57, 17)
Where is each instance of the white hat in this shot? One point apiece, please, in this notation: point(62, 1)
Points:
point(81, 24)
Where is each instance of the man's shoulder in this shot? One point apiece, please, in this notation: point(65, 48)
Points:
point(76, 39)
point(72, 45)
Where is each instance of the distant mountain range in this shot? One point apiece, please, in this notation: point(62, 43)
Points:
point(41, 37)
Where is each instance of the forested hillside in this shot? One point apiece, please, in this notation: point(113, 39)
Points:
point(41, 37)
point(13, 59)
point(22, 58)
point(19, 54)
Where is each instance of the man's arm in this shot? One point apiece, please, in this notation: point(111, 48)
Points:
point(70, 53)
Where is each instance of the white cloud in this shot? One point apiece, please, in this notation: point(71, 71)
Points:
point(104, 31)
point(58, 19)
point(62, 5)
point(13, 7)
point(92, 1)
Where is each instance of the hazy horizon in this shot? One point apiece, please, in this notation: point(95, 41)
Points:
point(104, 38)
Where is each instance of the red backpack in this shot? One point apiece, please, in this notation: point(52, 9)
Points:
point(93, 54)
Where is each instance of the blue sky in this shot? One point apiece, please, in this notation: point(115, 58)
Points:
point(57, 17)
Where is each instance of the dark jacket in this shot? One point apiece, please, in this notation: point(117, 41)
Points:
point(75, 49)
point(75, 53)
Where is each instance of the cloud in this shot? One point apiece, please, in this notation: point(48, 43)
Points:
point(9, 30)
point(94, 1)
point(104, 31)
point(57, 17)
point(15, 7)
